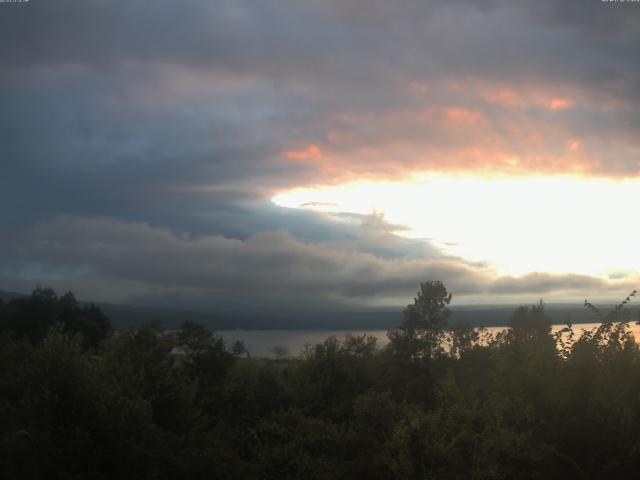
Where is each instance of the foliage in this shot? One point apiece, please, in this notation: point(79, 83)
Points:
point(425, 323)
point(32, 317)
point(78, 402)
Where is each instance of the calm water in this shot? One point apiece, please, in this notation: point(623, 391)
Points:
point(272, 343)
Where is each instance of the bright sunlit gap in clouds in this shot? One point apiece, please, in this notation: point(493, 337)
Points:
point(517, 225)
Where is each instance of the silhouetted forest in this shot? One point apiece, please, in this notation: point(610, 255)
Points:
point(79, 400)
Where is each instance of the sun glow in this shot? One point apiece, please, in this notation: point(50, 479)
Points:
point(517, 225)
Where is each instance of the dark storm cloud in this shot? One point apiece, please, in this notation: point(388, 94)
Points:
point(79, 143)
point(337, 44)
point(137, 119)
point(277, 36)
point(213, 91)
point(238, 36)
point(268, 261)
point(148, 259)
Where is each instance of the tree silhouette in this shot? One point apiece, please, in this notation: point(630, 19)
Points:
point(425, 322)
point(530, 321)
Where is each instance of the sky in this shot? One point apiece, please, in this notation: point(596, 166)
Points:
point(320, 154)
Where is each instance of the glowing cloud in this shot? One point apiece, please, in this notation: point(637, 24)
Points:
point(311, 152)
point(560, 103)
point(518, 225)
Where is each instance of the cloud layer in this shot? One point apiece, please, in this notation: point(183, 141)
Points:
point(160, 129)
point(154, 261)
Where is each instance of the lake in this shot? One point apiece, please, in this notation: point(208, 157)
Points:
point(262, 343)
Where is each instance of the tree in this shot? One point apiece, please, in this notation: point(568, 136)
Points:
point(195, 337)
point(425, 322)
point(239, 349)
point(530, 322)
point(31, 317)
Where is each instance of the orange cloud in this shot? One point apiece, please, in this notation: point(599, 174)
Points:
point(522, 97)
point(310, 153)
point(458, 115)
point(574, 144)
point(504, 96)
point(462, 131)
point(560, 103)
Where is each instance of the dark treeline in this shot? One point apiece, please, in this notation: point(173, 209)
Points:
point(80, 401)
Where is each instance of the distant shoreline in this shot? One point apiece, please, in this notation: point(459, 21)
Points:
point(123, 316)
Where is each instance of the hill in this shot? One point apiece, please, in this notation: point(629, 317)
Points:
point(372, 319)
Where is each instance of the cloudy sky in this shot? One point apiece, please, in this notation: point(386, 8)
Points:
point(319, 154)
